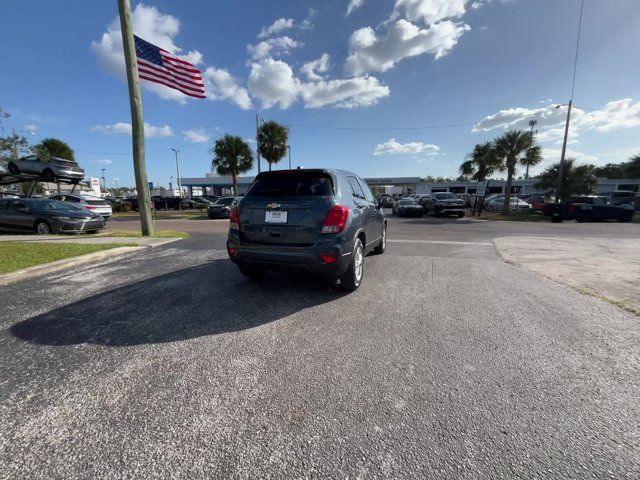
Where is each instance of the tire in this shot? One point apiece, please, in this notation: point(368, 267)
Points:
point(352, 278)
point(13, 169)
point(625, 219)
point(556, 219)
point(382, 246)
point(43, 228)
point(252, 273)
point(460, 215)
point(48, 175)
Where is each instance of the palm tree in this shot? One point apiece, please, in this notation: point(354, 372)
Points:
point(272, 141)
point(531, 159)
point(510, 147)
point(576, 179)
point(232, 156)
point(52, 147)
point(481, 163)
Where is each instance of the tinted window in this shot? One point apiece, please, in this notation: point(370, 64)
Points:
point(356, 190)
point(445, 196)
point(406, 201)
point(50, 205)
point(225, 201)
point(17, 206)
point(3, 204)
point(367, 191)
point(291, 185)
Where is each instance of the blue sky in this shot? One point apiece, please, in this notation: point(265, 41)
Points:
point(482, 65)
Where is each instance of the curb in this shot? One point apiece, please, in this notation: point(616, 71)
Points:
point(39, 270)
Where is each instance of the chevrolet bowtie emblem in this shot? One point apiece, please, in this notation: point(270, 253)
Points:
point(274, 205)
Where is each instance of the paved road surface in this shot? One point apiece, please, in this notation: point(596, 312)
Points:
point(446, 363)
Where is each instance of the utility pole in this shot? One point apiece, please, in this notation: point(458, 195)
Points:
point(175, 150)
point(258, 140)
point(532, 123)
point(566, 127)
point(289, 148)
point(104, 180)
point(137, 121)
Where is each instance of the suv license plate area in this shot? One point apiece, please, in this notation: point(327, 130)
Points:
point(275, 216)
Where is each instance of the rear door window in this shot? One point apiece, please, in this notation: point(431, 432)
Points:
point(367, 191)
point(356, 190)
point(291, 185)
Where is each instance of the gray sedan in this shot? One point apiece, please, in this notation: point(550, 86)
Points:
point(42, 216)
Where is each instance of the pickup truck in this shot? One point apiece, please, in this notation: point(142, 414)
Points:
point(589, 208)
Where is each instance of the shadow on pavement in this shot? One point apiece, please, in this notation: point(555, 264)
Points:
point(431, 220)
point(205, 300)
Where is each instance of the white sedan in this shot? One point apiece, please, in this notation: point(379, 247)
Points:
point(496, 204)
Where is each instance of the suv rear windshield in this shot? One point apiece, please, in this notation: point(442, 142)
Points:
point(291, 184)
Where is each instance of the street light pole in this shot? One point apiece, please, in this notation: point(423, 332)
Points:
point(289, 148)
point(566, 127)
point(104, 180)
point(175, 150)
point(258, 140)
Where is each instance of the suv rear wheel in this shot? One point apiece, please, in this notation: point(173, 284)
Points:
point(352, 278)
point(382, 246)
point(252, 273)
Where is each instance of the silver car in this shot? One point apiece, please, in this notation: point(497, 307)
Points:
point(49, 170)
point(496, 204)
point(93, 204)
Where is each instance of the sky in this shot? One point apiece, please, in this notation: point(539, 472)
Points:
point(380, 87)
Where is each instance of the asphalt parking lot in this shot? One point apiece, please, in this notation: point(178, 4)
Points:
point(446, 363)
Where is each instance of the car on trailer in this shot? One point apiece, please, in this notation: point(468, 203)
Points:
point(50, 169)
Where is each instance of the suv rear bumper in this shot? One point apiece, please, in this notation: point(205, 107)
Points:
point(304, 258)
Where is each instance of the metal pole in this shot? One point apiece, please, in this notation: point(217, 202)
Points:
point(15, 143)
point(137, 121)
point(104, 180)
point(566, 127)
point(289, 148)
point(258, 141)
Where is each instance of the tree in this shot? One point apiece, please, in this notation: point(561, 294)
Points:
point(610, 170)
point(273, 139)
point(232, 156)
point(631, 169)
point(11, 147)
point(52, 147)
point(531, 159)
point(511, 147)
point(481, 163)
point(576, 179)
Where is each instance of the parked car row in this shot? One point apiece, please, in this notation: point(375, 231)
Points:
point(589, 208)
point(439, 204)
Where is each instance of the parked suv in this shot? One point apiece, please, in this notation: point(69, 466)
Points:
point(444, 203)
point(325, 221)
point(49, 170)
point(93, 204)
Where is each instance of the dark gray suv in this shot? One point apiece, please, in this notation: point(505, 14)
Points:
point(325, 221)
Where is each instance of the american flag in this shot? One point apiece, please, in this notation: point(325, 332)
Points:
point(159, 66)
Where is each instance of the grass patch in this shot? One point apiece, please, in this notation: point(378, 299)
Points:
point(516, 217)
point(636, 218)
point(18, 255)
point(138, 234)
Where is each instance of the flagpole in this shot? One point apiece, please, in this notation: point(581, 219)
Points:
point(137, 122)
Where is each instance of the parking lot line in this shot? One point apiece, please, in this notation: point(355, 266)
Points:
point(443, 242)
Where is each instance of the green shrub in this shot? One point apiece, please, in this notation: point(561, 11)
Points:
point(122, 207)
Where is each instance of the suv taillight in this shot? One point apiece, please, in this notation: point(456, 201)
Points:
point(233, 219)
point(336, 219)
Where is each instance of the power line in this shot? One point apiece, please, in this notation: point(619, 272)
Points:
point(383, 129)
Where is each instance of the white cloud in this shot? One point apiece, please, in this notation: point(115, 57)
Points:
point(344, 93)
point(307, 23)
point(31, 127)
point(312, 69)
point(273, 47)
point(392, 147)
point(276, 27)
point(274, 83)
point(616, 115)
point(429, 11)
point(354, 5)
point(220, 85)
point(369, 52)
point(155, 27)
point(196, 135)
point(150, 131)
point(102, 161)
